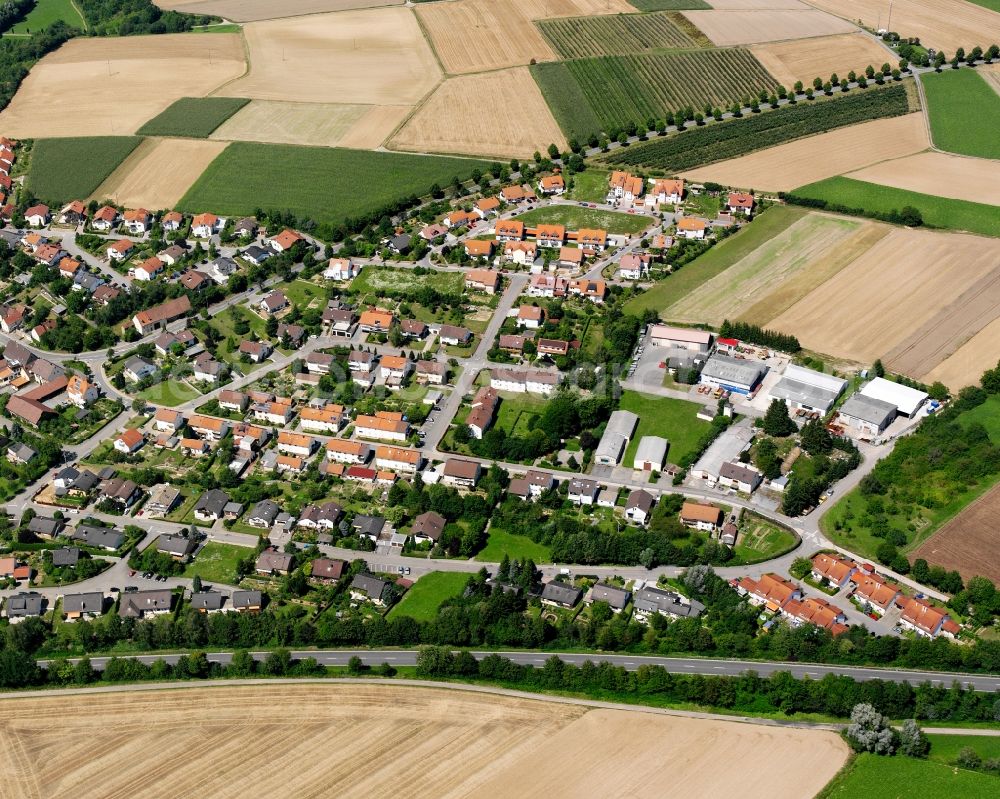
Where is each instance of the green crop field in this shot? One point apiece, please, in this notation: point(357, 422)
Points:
point(45, 13)
point(992, 5)
point(584, 37)
point(616, 90)
point(328, 185)
point(672, 5)
point(673, 419)
point(574, 217)
point(193, 117)
point(73, 168)
point(908, 777)
point(719, 141)
point(964, 112)
point(840, 193)
point(425, 597)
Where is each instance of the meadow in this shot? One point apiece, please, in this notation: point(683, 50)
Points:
point(45, 13)
point(673, 419)
point(73, 168)
point(575, 217)
point(909, 777)
point(216, 563)
point(964, 112)
point(193, 117)
point(422, 601)
point(318, 183)
point(516, 547)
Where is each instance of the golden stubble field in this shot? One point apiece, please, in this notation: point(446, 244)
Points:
point(941, 174)
point(375, 56)
point(819, 58)
point(807, 160)
point(253, 10)
point(112, 86)
point(726, 28)
point(473, 114)
point(376, 740)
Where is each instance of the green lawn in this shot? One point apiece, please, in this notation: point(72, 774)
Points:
point(319, 183)
point(73, 168)
point(992, 5)
point(45, 13)
point(964, 112)
point(672, 419)
point(169, 393)
point(899, 776)
point(216, 563)
point(590, 186)
point(425, 597)
point(515, 413)
point(575, 217)
point(376, 279)
point(517, 547)
point(870, 198)
point(193, 117)
point(301, 292)
point(761, 540)
point(945, 748)
point(719, 258)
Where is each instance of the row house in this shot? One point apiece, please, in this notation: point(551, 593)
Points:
point(771, 591)
point(398, 459)
point(328, 419)
point(520, 382)
point(296, 444)
point(484, 408)
point(349, 452)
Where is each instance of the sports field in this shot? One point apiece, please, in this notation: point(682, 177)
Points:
point(334, 740)
point(788, 166)
point(193, 117)
point(727, 28)
point(940, 174)
point(806, 59)
point(106, 86)
point(73, 168)
point(252, 10)
point(964, 111)
point(422, 601)
point(316, 182)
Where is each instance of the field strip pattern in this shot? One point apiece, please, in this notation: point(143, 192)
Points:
point(583, 37)
point(939, 174)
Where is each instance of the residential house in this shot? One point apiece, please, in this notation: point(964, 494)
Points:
point(123, 493)
point(263, 514)
point(24, 605)
point(666, 191)
point(522, 253)
point(394, 369)
point(460, 218)
point(650, 601)
point(195, 280)
point(205, 226)
point(130, 441)
point(20, 454)
point(561, 595)
point(233, 400)
point(460, 473)
point(550, 236)
point(553, 184)
point(320, 517)
point(103, 295)
point(161, 315)
point(539, 482)
point(106, 538)
point(874, 593)
point(256, 351)
point(83, 606)
point(74, 213)
point(832, 570)
point(433, 372)
point(291, 336)
point(179, 547)
point(210, 505)
point(617, 598)
point(171, 221)
point(817, 612)
point(530, 381)
point(296, 444)
point(452, 335)
point(706, 518)
point(149, 269)
point(327, 570)
point(740, 202)
point(139, 604)
point(319, 363)
point(285, 240)
point(162, 499)
point(172, 255)
point(256, 255)
point(427, 527)
point(743, 477)
point(639, 506)
point(208, 370)
point(487, 206)
point(278, 413)
point(771, 591)
point(246, 228)
point(690, 227)
point(510, 230)
point(273, 303)
point(570, 258)
point(328, 419)
point(247, 601)
point(207, 601)
point(530, 316)
point(368, 526)
point(591, 239)
point(927, 621)
point(341, 269)
point(38, 215)
point(137, 221)
point(367, 587)
point(480, 249)
point(379, 427)
point(350, 452)
point(486, 280)
point(44, 527)
point(398, 459)
point(376, 320)
point(120, 250)
point(484, 408)
point(593, 290)
point(547, 286)
point(624, 187)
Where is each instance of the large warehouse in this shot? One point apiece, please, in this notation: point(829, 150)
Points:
point(733, 374)
point(621, 426)
point(808, 389)
point(907, 400)
point(680, 338)
point(866, 415)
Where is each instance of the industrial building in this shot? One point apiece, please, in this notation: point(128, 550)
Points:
point(808, 389)
point(866, 415)
point(620, 428)
point(650, 454)
point(738, 375)
point(681, 338)
point(907, 400)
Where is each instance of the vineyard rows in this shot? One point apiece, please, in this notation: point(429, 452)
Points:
point(699, 146)
point(586, 37)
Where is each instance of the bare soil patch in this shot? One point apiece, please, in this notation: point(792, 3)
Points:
point(947, 24)
point(472, 114)
point(940, 174)
point(966, 366)
point(797, 163)
point(253, 10)
point(969, 541)
point(347, 740)
point(376, 56)
point(726, 28)
point(819, 58)
point(106, 86)
point(318, 124)
point(883, 299)
point(159, 172)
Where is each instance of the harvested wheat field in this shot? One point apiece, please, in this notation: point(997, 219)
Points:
point(798, 163)
point(377, 56)
point(727, 28)
point(371, 740)
point(757, 5)
point(940, 174)
point(966, 366)
point(473, 114)
point(991, 73)
point(158, 172)
point(883, 301)
point(112, 86)
point(947, 24)
point(797, 249)
point(969, 541)
point(253, 10)
point(820, 58)
point(320, 124)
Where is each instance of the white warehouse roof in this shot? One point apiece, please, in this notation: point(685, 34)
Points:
point(616, 436)
point(735, 371)
point(651, 449)
point(907, 400)
point(808, 387)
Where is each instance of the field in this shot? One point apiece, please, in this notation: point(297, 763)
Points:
point(967, 542)
point(158, 172)
point(69, 169)
point(940, 24)
point(45, 12)
point(788, 166)
point(516, 547)
point(673, 419)
point(811, 58)
point(193, 117)
point(939, 212)
point(584, 37)
point(634, 88)
point(967, 364)
point(940, 174)
point(422, 601)
point(906, 776)
point(566, 100)
point(456, 120)
point(216, 563)
point(700, 146)
point(315, 124)
point(170, 393)
point(376, 56)
point(443, 743)
point(253, 10)
point(668, 5)
point(810, 251)
point(574, 217)
point(373, 280)
point(719, 258)
point(590, 186)
point(106, 86)
point(316, 182)
point(726, 28)
point(963, 110)
point(910, 311)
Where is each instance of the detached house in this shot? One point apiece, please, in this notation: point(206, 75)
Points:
point(137, 221)
point(341, 269)
point(38, 215)
point(624, 187)
point(81, 392)
point(554, 184)
point(106, 219)
point(204, 226)
point(740, 203)
point(121, 250)
point(285, 240)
